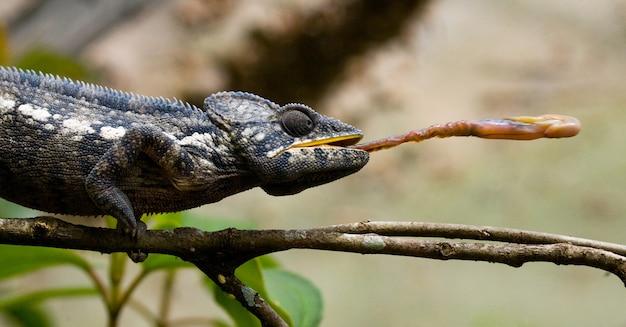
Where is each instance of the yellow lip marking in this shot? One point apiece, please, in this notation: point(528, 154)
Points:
point(327, 142)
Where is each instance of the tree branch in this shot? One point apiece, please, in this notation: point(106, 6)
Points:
point(469, 232)
point(218, 254)
point(224, 277)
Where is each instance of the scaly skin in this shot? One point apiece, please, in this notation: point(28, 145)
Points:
point(76, 148)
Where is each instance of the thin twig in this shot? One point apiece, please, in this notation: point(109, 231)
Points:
point(514, 255)
point(468, 232)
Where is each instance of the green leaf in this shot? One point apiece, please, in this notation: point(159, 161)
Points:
point(268, 261)
point(235, 310)
point(296, 295)
point(37, 297)
point(157, 261)
point(251, 274)
point(214, 223)
point(10, 209)
point(4, 46)
point(165, 220)
point(187, 219)
point(24, 310)
point(53, 62)
point(17, 259)
point(161, 221)
point(28, 316)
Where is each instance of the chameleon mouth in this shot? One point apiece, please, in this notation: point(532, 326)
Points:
point(341, 141)
point(336, 141)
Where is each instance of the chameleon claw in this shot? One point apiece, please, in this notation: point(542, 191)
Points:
point(137, 256)
point(135, 233)
point(140, 230)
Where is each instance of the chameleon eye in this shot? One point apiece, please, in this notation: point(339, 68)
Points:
point(297, 123)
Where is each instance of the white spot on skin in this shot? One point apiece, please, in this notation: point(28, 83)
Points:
point(170, 136)
point(273, 153)
point(37, 113)
point(112, 133)
point(75, 126)
point(247, 132)
point(259, 137)
point(197, 140)
point(6, 103)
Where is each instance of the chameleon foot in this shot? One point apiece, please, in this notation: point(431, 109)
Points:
point(136, 233)
point(137, 256)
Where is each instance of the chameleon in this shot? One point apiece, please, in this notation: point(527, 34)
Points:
point(75, 148)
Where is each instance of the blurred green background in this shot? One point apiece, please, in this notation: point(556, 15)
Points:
point(448, 60)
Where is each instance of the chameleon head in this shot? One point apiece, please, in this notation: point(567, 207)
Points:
point(290, 148)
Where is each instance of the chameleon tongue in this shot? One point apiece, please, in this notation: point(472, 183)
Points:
point(514, 128)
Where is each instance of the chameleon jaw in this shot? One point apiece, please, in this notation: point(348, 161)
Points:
point(336, 141)
point(340, 141)
point(310, 163)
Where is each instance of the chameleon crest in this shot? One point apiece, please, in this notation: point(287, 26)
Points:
point(80, 149)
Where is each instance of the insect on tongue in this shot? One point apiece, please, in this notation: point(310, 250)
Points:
point(514, 128)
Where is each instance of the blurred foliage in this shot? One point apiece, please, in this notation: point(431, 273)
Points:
point(292, 296)
point(48, 61)
point(43, 60)
point(302, 60)
point(4, 46)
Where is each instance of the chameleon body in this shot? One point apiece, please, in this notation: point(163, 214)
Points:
point(80, 149)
